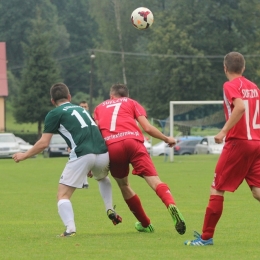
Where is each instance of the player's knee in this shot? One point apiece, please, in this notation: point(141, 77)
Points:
point(256, 196)
point(256, 193)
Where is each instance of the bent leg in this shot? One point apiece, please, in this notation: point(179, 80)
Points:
point(256, 192)
point(163, 192)
point(133, 201)
point(105, 190)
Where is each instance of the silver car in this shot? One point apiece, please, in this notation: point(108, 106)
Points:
point(24, 146)
point(208, 146)
point(8, 145)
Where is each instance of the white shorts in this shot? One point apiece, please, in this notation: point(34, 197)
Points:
point(75, 172)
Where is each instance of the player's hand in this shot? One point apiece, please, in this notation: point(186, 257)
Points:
point(219, 138)
point(171, 141)
point(90, 174)
point(19, 157)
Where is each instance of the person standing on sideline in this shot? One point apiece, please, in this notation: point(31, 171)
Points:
point(88, 153)
point(242, 129)
point(84, 105)
point(116, 119)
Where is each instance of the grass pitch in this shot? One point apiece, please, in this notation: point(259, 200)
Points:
point(29, 221)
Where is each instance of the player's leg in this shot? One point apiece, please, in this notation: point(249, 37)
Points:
point(143, 166)
point(72, 177)
point(256, 193)
point(135, 205)
point(119, 153)
point(230, 171)
point(65, 209)
point(85, 184)
point(100, 173)
point(213, 213)
point(163, 192)
point(253, 175)
point(211, 218)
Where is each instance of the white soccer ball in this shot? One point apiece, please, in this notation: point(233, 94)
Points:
point(142, 18)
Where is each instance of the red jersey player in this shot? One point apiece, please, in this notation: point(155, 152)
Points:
point(117, 120)
point(242, 129)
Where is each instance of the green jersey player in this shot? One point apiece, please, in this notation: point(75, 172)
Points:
point(88, 153)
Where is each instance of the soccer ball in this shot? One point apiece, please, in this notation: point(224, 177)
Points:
point(142, 18)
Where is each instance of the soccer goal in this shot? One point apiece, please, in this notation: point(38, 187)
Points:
point(194, 118)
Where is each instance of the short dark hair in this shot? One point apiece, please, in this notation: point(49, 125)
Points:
point(59, 92)
point(119, 90)
point(83, 102)
point(234, 62)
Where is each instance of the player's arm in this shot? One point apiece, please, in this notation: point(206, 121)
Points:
point(236, 115)
point(37, 148)
point(154, 132)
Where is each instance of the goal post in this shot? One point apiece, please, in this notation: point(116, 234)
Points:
point(200, 114)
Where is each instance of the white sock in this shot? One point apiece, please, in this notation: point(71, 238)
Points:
point(67, 215)
point(105, 189)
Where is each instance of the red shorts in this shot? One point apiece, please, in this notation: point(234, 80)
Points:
point(130, 151)
point(239, 160)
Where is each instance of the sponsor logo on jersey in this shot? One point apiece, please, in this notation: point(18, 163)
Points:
point(249, 93)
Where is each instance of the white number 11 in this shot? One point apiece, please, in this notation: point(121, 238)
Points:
point(80, 118)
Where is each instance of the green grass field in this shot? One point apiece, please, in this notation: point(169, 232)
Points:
point(29, 221)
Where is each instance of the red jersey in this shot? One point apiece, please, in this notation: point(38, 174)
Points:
point(248, 127)
point(117, 119)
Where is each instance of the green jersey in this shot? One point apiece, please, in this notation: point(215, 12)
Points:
point(78, 129)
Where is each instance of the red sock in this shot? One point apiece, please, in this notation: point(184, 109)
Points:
point(135, 206)
point(163, 191)
point(212, 216)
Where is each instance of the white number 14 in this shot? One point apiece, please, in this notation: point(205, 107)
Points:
point(255, 118)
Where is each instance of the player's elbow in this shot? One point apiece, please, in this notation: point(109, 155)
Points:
point(42, 144)
point(242, 109)
point(147, 129)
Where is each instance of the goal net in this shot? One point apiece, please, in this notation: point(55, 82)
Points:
point(194, 118)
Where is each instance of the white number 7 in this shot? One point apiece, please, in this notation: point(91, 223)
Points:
point(114, 116)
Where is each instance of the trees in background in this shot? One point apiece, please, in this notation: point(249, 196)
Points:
point(39, 73)
point(179, 58)
point(16, 27)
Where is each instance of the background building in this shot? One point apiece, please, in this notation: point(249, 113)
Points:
point(3, 85)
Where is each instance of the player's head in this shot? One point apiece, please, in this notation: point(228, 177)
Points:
point(84, 104)
point(59, 93)
point(234, 63)
point(119, 90)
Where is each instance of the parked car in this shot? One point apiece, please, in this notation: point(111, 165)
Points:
point(160, 148)
point(208, 146)
point(57, 147)
point(188, 137)
point(24, 146)
point(186, 147)
point(8, 145)
point(147, 146)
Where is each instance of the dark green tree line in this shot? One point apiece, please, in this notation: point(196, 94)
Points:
point(179, 58)
point(39, 73)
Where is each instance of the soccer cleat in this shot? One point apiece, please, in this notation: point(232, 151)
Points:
point(116, 219)
point(198, 241)
point(140, 228)
point(178, 219)
point(85, 186)
point(66, 234)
